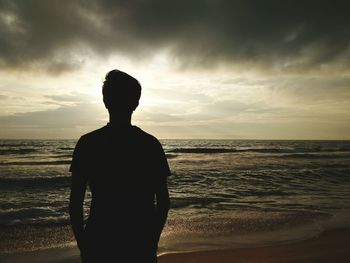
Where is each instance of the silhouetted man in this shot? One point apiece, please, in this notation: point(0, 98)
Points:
point(126, 170)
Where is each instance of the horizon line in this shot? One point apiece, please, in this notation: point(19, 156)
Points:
point(198, 139)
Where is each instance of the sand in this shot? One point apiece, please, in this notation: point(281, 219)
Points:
point(332, 246)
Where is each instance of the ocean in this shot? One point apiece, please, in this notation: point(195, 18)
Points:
point(224, 193)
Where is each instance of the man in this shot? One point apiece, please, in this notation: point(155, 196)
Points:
point(126, 171)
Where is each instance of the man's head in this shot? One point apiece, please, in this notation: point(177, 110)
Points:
point(121, 92)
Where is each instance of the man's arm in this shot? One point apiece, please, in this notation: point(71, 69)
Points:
point(76, 213)
point(162, 206)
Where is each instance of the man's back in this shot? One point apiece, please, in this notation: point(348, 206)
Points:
point(123, 168)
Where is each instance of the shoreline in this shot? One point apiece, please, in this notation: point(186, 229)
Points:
point(330, 246)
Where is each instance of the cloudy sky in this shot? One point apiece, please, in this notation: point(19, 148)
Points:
point(247, 69)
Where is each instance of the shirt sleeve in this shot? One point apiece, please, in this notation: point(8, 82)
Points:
point(77, 164)
point(163, 166)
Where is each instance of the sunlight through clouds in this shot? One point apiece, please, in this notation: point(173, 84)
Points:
point(259, 75)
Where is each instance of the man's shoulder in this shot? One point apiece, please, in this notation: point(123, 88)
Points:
point(145, 136)
point(93, 135)
point(135, 132)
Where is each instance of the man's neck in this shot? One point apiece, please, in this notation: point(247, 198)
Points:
point(119, 120)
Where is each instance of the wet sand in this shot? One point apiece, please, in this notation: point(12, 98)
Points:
point(332, 246)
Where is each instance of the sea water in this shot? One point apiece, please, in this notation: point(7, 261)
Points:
point(224, 193)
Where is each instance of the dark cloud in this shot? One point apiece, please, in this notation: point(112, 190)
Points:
point(289, 34)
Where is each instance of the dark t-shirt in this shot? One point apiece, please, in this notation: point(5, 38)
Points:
point(123, 168)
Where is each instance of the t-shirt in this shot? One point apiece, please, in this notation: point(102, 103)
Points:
point(123, 168)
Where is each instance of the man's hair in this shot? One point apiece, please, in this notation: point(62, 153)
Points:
point(121, 92)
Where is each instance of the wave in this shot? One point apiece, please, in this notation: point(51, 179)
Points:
point(254, 150)
point(202, 150)
point(170, 156)
point(315, 156)
point(37, 163)
point(17, 151)
point(11, 144)
point(50, 181)
point(228, 150)
point(244, 222)
point(64, 156)
point(34, 215)
point(66, 148)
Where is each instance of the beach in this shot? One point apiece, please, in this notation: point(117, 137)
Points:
point(191, 131)
point(330, 246)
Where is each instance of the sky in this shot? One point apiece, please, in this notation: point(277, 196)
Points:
point(230, 69)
